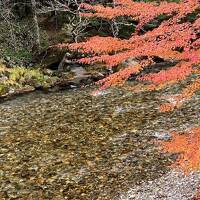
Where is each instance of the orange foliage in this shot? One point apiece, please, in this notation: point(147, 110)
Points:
point(140, 11)
point(175, 39)
point(167, 107)
point(94, 44)
point(188, 147)
point(120, 77)
point(189, 91)
point(177, 73)
point(165, 41)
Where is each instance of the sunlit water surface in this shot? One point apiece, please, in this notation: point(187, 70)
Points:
point(72, 145)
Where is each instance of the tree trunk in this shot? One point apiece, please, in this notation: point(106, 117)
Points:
point(36, 26)
point(63, 62)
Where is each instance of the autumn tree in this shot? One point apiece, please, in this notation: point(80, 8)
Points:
point(175, 37)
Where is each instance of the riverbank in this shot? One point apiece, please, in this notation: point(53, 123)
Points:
point(16, 81)
point(174, 185)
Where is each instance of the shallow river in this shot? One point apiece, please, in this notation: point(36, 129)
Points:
point(72, 145)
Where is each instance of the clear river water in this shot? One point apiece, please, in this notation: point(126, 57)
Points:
point(72, 145)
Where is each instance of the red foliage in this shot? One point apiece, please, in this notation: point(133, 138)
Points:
point(188, 146)
point(175, 39)
point(140, 11)
point(165, 41)
point(177, 73)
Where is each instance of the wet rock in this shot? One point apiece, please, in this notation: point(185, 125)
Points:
point(130, 62)
point(3, 78)
point(172, 186)
point(48, 72)
point(50, 58)
point(162, 136)
point(101, 93)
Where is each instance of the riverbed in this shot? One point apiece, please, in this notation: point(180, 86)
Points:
point(74, 145)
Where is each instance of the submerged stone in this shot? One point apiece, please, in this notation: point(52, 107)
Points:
point(70, 145)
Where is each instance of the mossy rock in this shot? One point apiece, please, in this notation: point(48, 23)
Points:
point(3, 89)
point(50, 58)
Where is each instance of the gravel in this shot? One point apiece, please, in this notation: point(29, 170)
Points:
point(172, 186)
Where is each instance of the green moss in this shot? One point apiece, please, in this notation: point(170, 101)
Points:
point(3, 89)
point(19, 79)
point(24, 75)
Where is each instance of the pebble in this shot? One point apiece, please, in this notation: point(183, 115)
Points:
point(173, 186)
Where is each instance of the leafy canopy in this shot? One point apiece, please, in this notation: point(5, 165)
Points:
point(176, 39)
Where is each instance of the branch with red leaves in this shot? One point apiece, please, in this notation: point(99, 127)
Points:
point(174, 39)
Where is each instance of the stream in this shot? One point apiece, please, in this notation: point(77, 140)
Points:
point(72, 145)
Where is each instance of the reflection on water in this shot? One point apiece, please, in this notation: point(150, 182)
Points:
point(71, 145)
